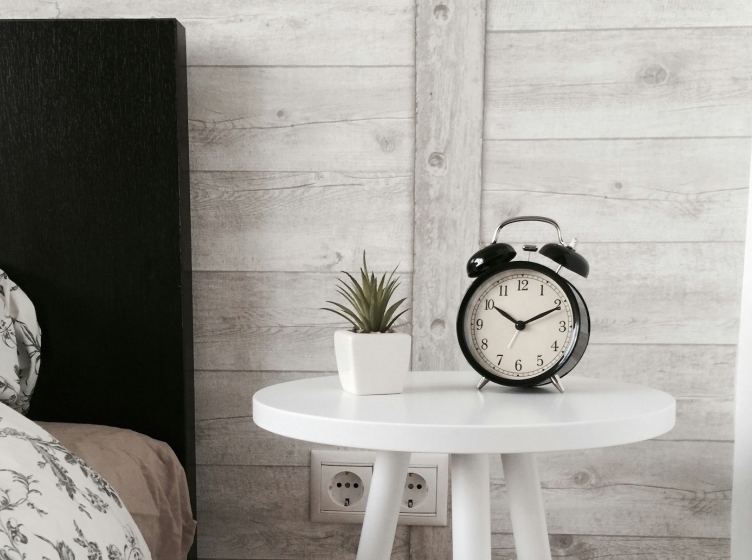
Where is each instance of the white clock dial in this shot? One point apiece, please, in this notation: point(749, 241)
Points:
point(519, 324)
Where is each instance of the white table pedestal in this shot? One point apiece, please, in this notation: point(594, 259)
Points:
point(442, 412)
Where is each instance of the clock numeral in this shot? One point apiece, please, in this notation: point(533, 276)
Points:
point(522, 285)
point(540, 360)
point(518, 365)
point(484, 344)
point(555, 346)
point(479, 324)
point(557, 302)
point(500, 356)
point(503, 290)
point(541, 289)
point(562, 326)
point(489, 304)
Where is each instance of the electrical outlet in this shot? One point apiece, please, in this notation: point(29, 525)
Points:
point(424, 501)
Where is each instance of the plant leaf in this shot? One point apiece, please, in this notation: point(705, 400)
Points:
point(340, 314)
point(397, 317)
point(354, 319)
point(389, 313)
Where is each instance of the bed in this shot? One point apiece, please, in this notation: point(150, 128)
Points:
point(95, 228)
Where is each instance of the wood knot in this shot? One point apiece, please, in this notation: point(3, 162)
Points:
point(618, 185)
point(654, 74)
point(581, 478)
point(437, 326)
point(441, 13)
point(281, 113)
point(562, 541)
point(437, 163)
point(387, 144)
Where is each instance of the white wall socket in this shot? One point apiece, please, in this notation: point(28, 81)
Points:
point(341, 484)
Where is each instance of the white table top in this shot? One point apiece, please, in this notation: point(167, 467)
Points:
point(443, 412)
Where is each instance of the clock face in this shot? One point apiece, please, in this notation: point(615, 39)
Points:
point(519, 324)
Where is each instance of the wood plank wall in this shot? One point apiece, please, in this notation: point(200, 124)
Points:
point(629, 122)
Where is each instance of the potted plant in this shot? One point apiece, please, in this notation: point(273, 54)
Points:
point(372, 359)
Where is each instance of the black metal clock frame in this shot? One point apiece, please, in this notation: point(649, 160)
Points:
point(580, 326)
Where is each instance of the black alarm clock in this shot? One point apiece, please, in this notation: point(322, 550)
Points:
point(520, 323)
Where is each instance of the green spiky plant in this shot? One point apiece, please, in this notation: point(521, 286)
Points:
point(369, 310)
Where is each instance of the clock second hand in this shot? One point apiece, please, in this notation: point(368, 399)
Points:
point(513, 339)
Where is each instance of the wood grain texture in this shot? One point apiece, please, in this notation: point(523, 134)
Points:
point(256, 221)
point(248, 321)
point(450, 43)
point(587, 547)
point(619, 84)
point(630, 190)
point(317, 119)
point(262, 32)
point(519, 15)
point(653, 488)
point(262, 513)
point(659, 293)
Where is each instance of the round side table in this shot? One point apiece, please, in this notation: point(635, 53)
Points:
point(443, 412)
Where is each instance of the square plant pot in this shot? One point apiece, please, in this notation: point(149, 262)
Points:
point(372, 363)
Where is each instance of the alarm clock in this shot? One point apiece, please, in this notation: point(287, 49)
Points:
point(520, 323)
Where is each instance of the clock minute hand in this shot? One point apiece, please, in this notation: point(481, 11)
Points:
point(507, 315)
point(542, 315)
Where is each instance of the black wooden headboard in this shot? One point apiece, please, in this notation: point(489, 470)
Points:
point(95, 219)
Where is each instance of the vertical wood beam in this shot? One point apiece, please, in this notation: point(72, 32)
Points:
point(449, 79)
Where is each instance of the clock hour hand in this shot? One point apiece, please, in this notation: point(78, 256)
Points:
point(541, 315)
point(507, 315)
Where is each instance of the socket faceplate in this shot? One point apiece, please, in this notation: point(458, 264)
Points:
point(429, 470)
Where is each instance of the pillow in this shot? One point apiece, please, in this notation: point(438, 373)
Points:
point(20, 346)
point(53, 505)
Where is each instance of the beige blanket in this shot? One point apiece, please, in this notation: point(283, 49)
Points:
point(147, 475)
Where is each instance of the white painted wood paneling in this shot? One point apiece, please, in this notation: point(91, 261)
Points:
point(619, 83)
point(449, 58)
point(521, 15)
point(262, 32)
point(292, 221)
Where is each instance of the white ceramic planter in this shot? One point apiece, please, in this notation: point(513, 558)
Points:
point(372, 363)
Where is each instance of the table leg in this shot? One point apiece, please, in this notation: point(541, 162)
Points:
point(471, 508)
point(382, 511)
point(526, 506)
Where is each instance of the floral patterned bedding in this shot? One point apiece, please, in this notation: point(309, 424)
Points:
point(53, 506)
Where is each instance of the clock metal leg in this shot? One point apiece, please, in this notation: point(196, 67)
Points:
point(471, 508)
point(382, 511)
point(482, 383)
point(556, 380)
point(526, 506)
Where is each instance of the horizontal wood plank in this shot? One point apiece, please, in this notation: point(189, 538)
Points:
point(658, 293)
point(250, 321)
point(370, 145)
point(587, 547)
point(619, 84)
point(223, 98)
point(262, 513)
point(652, 489)
point(259, 32)
point(293, 221)
point(520, 15)
point(621, 190)
point(682, 371)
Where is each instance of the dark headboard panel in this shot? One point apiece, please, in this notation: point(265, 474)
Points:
point(95, 219)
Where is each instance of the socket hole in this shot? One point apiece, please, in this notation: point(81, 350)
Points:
point(355, 485)
point(339, 485)
point(347, 485)
point(420, 486)
point(410, 486)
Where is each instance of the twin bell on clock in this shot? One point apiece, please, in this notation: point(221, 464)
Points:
point(520, 323)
